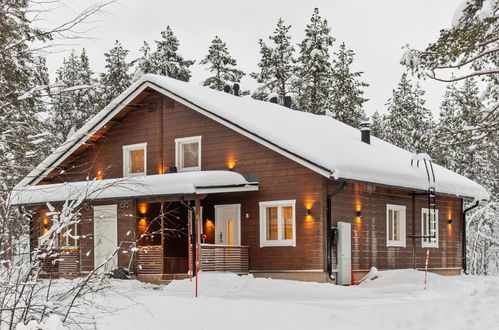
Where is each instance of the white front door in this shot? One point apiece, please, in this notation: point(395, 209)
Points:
point(228, 224)
point(105, 236)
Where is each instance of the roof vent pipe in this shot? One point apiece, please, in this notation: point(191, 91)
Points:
point(236, 89)
point(227, 89)
point(287, 101)
point(365, 132)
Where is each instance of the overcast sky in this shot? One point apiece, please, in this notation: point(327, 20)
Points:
point(375, 30)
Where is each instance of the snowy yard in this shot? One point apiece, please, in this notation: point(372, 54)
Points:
point(396, 300)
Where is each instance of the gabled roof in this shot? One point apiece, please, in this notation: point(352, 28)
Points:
point(320, 143)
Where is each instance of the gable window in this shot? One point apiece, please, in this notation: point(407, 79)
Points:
point(188, 153)
point(277, 223)
point(395, 225)
point(135, 159)
point(429, 228)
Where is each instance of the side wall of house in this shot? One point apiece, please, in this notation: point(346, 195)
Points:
point(369, 231)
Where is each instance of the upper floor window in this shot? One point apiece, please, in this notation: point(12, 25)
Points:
point(395, 225)
point(429, 228)
point(135, 159)
point(278, 223)
point(188, 153)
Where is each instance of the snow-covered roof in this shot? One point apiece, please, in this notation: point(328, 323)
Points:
point(320, 143)
point(186, 183)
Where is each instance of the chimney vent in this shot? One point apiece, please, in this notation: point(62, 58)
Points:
point(227, 89)
point(287, 101)
point(236, 89)
point(365, 132)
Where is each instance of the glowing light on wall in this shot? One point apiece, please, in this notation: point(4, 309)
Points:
point(231, 162)
point(309, 203)
point(142, 225)
point(100, 175)
point(143, 208)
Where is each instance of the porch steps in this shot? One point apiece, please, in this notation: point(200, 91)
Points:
point(167, 278)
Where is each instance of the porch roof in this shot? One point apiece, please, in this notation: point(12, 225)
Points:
point(186, 183)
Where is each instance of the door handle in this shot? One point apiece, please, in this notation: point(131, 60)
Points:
point(221, 237)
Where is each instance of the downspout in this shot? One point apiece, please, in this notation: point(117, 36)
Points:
point(193, 232)
point(329, 221)
point(464, 235)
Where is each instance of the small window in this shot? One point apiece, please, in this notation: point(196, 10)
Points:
point(429, 228)
point(188, 153)
point(135, 159)
point(277, 223)
point(395, 225)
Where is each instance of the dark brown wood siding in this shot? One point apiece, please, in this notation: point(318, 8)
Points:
point(369, 232)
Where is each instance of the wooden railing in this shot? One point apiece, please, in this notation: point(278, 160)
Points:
point(150, 260)
point(224, 258)
point(67, 261)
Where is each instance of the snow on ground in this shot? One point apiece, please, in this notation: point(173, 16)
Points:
point(396, 300)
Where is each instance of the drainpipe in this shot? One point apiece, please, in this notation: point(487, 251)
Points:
point(329, 221)
point(464, 234)
point(193, 232)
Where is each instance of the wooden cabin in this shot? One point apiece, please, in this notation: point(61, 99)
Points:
point(259, 187)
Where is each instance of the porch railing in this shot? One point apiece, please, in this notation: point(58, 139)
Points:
point(150, 260)
point(224, 258)
point(66, 262)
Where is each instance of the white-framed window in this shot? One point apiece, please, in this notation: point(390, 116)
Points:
point(188, 153)
point(395, 225)
point(429, 228)
point(135, 159)
point(278, 223)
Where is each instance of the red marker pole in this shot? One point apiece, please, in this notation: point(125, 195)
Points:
point(426, 269)
point(197, 267)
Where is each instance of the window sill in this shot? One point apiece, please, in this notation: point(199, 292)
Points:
point(278, 244)
point(400, 245)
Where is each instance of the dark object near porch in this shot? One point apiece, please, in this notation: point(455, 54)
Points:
point(173, 169)
point(273, 99)
point(227, 89)
point(236, 89)
point(120, 273)
point(287, 101)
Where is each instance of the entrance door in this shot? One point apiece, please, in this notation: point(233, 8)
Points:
point(105, 235)
point(228, 224)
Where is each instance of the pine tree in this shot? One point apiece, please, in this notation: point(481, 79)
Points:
point(277, 68)
point(377, 125)
point(75, 101)
point(222, 66)
point(165, 60)
point(409, 124)
point(117, 76)
point(314, 68)
point(346, 89)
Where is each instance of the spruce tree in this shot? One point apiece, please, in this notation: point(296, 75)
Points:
point(409, 123)
point(222, 66)
point(277, 68)
point(313, 72)
point(377, 125)
point(165, 60)
point(117, 76)
point(75, 101)
point(346, 89)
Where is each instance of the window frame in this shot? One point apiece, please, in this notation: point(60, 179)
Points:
point(424, 244)
point(264, 242)
point(67, 238)
point(178, 145)
point(402, 209)
point(126, 158)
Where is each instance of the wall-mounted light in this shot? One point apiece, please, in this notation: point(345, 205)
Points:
point(308, 212)
point(100, 175)
point(231, 163)
point(143, 208)
point(449, 221)
point(358, 213)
